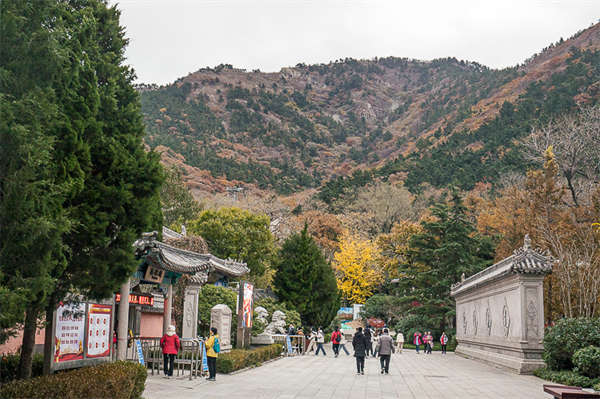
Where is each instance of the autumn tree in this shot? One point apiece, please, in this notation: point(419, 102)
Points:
point(325, 228)
point(305, 279)
point(385, 204)
point(395, 247)
point(357, 268)
point(574, 141)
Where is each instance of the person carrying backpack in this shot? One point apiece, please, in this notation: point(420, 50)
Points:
point(213, 347)
point(335, 340)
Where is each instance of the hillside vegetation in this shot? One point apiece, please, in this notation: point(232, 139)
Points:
point(434, 122)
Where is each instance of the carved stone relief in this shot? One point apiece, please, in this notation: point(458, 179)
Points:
point(488, 320)
point(532, 324)
point(505, 320)
point(464, 323)
point(475, 322)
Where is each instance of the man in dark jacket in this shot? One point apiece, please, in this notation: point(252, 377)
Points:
point(359, 343)
point(368, 334)
point(385, 348)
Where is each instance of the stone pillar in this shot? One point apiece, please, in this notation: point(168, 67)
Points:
point(167, 309)
point(220, 317)
point(123, 322)
point(190, 312)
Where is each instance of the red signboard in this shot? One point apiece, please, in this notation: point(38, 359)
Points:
point(136, 299)
point(377, 323)
point(99, 332)
point(69, 333)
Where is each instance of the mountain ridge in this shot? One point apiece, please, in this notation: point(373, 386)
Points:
point(305, 125)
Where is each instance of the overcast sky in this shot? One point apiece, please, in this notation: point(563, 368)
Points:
point(170, 38)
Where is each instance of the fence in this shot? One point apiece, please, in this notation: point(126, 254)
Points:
point(298, 343)
point(189, 357)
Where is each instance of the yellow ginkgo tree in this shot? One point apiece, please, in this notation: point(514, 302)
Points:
point(357, 268)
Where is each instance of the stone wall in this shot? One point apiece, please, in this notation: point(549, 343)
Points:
point(500, 312)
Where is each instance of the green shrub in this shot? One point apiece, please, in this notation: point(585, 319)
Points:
point(597, 387)
point(239, 359)
point(118, 380)
point(565, 377)
point(9, 366)
point(567, 337)
point(587, 361)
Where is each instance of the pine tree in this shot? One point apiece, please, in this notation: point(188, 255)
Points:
point(438, 257)
point(304, 279)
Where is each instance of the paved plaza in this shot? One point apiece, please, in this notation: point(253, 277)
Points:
point(411, 376)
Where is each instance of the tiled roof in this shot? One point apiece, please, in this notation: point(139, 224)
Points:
point(170, 258)
point(168, 233)
point(523, 261)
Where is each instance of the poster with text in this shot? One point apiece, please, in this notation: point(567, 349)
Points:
point(99, 333)
point(248, 289)
point(69, 332)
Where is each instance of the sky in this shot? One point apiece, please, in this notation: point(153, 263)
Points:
point(171, 38)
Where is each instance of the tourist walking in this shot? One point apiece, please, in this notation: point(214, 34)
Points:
point(360, 343)
point(213, 347)
point(335, 341)
point(429, 342)
point(368, 333)
point(425, 340)
point(312, 341)
point(320, 342)
point(343, 343)
point(385, 348)
point(376, 335)
point(170, 345)
point(417, 340)
point(444, 342)
point(399, 342)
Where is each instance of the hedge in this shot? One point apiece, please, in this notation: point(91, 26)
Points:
point(587, 361)
point(239, 359)
point(566, 377)
point(116, 380)
point(9, 366)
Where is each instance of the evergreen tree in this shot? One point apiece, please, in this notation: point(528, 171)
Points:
point(72, 148)
point(447, 248)
point(304, 279)
point(178, 204)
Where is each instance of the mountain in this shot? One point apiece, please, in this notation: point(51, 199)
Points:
point(438, 122)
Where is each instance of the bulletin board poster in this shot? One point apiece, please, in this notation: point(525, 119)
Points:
point(99, 332)
point(69, 333)
point(248, 290)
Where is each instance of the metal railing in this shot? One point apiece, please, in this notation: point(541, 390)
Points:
point(189, 357)
point(298, 343)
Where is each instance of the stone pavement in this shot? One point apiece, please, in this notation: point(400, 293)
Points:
point(411, 376)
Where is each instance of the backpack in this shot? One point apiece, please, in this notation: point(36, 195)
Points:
point(335, 338)
point(217, 345)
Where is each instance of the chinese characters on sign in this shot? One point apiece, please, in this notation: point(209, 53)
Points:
point(155, 275)
point(69, 333)
point(99, 332)
point(135, 299)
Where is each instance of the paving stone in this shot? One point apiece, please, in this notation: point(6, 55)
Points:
point(414, 376)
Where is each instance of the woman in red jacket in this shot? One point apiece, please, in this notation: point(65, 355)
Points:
point(170, 346)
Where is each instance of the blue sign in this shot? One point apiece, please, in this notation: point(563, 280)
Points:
point(139, 351)
point(289, 345)
point(204, 360)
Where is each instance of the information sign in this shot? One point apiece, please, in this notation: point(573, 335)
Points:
point(69, 333)
point(99, 333)
point(140, 354)
point(288, 341)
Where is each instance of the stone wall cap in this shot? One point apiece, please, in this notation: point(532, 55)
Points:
point(524, 260)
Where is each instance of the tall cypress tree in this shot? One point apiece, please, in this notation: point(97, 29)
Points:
point(438, 257)
point(77, 187)
point(305, 279)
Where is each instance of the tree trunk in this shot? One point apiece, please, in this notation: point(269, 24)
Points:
point(48, 341)
point(29, 329)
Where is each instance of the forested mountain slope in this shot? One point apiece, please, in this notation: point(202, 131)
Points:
point(439, 122)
